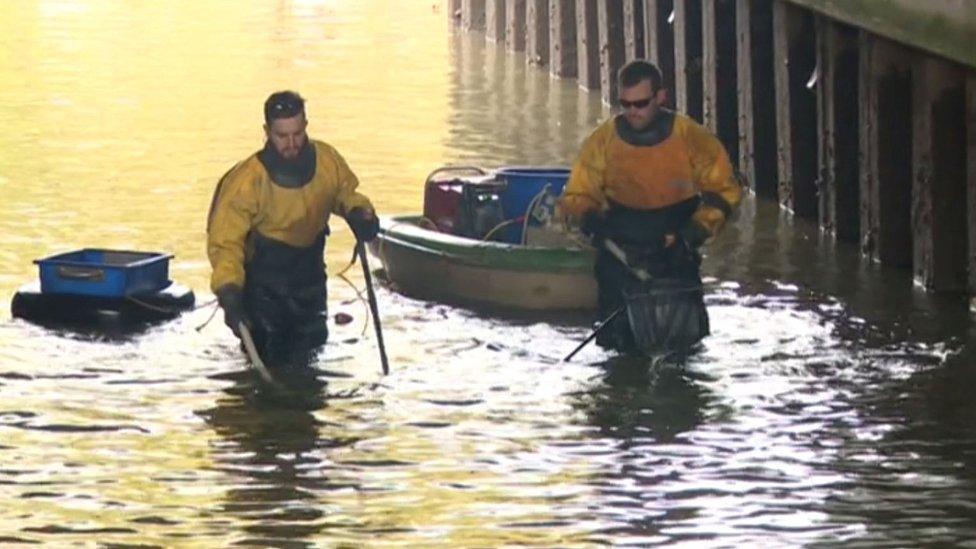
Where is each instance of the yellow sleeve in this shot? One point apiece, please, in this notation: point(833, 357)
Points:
point(714, 177)
point(232, 214)
point(347, 198)
point(584, 191)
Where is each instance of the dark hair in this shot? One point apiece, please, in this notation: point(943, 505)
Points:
point(638, 70)
point(283, 104)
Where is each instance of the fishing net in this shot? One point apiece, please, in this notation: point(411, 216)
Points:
point(666, 314)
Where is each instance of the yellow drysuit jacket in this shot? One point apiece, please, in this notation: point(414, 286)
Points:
point(247, 199)
point(689, 161)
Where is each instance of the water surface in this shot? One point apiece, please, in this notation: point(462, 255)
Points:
point(829, 407)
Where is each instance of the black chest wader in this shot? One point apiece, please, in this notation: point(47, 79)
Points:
point(285, 291)
point(666, 313)
point(285, 298)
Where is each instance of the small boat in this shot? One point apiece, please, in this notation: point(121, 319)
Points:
point(483, 242)
point(86, 287)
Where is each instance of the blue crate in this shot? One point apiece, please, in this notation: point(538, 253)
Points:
point(105, 273)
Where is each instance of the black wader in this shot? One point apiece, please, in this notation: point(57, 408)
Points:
point(285, 298)
point(668, 313)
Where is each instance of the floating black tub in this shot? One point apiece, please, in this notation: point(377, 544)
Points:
point(30, 303)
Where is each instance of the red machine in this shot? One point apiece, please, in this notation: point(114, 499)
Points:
point(462, 205)
point(441, 203)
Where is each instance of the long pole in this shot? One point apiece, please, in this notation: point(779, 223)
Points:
point(373, 308)
point(598, 329)
point(252, 353)
point(616, 251)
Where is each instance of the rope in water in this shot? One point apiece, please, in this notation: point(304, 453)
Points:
point(167, 310)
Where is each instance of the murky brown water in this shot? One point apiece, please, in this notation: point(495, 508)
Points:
point(831, 406)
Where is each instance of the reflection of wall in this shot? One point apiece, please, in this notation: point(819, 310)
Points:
point(766, 249)
point(504, 112)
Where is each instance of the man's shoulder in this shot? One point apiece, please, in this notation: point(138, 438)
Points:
point(609, 125)
point(605, 131)
point(684, 124)
point(246, 169)
point(323, 148)
point(695, 135)
point(251, 164)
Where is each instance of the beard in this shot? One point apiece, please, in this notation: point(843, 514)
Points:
point(290, 155)
point(293, 171)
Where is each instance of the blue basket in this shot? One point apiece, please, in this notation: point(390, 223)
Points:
point(105, 273)
point(522, 185)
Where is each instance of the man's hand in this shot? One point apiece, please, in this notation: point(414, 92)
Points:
point(692, 234)
point(231, 300)
point(364, 224)
point(593, 225)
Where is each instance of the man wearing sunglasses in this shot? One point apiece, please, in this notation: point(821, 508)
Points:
point(656, 185)
point(266, 234)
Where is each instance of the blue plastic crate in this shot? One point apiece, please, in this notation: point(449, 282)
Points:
point(106, 273)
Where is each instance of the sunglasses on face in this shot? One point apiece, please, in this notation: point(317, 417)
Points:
point(638, 104)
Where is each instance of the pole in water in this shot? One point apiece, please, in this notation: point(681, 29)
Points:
point(373, 308)
point(598, 329)
point(252, 353)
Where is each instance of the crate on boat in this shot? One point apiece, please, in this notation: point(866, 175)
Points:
point(105, 273)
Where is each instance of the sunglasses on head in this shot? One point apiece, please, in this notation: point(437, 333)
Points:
point(284, 105)
point(638, 104)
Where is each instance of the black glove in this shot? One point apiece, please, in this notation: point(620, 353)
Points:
point(364, 224)
point(693, 234)
point(231, 300)
point(593, 225)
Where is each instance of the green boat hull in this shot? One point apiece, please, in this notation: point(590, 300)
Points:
point(440, 267)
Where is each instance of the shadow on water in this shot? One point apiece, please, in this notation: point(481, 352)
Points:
point(922, 428)
point(767, 249)
point(108, 329)
point(271, 449)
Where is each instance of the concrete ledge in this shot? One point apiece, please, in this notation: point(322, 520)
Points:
point(943, 27)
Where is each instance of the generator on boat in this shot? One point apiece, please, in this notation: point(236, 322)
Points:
point(88, 285)
point(463, 201)
point(471, 202)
